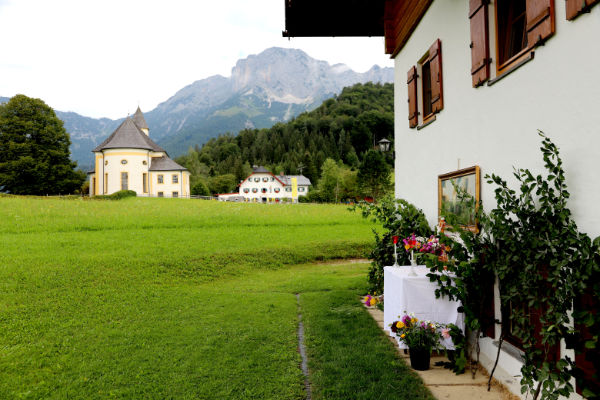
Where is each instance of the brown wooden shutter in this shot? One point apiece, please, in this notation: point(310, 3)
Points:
point(578, 7)
point(413, 109)
point(587, 360)
point(435, 65)
point(480, 49)
point(540, 21)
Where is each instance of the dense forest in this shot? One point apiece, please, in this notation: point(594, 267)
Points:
point(342, 131)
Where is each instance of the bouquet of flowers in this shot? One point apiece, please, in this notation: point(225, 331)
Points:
point(369, 300)
point(413, 242)
point(417, 334)
point(373, 301)
point(426, 246)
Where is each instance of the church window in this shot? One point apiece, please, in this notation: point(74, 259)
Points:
point(124, 181)
point(175, 194)
point(105, 183)
point(160, 194)
point(175, 178)
point(160, 178)
point(106, 162)
point(123, 162)
point(145, 182)
point(144, 162)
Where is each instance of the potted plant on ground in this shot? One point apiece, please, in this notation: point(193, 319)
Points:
point(421, 337)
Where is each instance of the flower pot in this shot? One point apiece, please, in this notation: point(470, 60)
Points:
point(419, 358)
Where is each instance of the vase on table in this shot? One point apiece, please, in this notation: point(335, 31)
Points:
point(419, 358)
point(413, 263)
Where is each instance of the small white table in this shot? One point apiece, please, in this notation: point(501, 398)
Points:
point(416, 294)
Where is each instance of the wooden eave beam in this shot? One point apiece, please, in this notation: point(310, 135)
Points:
point(401, 18)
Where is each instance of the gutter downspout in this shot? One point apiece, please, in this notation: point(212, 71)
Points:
point(104, 184)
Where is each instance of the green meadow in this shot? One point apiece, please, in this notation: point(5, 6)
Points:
point(187, 299)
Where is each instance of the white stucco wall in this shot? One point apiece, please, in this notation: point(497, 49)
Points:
point(496, 126)
point(111, 165)
point(168, 186)
point(137, 164)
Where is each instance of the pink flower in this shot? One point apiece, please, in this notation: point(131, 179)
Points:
point(446, 333)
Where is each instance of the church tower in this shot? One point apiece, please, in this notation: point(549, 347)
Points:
point(140, 121)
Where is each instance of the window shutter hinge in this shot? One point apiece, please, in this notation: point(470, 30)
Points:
point(471, 45)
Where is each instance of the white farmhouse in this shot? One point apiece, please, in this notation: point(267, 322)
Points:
point(129, 160)
point(264, 187)
point(481, 78)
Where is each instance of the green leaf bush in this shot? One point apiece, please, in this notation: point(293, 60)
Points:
point(121, 194)
point(398, 218)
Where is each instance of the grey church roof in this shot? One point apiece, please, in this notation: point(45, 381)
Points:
point(165, 164)
point(139, 119)
point(128, 135)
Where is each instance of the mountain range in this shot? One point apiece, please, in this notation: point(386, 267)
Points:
point(263, 89)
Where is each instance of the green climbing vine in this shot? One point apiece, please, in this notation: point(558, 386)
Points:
point(544, 265)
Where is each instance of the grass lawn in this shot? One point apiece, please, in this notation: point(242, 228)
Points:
point(168, 298)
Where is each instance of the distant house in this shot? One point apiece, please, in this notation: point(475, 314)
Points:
point(129, 160)
point(264, 187)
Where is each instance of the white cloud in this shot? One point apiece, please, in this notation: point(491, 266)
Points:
point(100, 58)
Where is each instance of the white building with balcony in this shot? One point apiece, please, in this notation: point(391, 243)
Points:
point(264, 187)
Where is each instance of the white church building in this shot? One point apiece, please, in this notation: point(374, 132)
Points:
point(129, 160)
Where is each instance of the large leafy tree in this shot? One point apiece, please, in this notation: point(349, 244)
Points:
point(337, 182)
point(374, 175)
point(34, 150)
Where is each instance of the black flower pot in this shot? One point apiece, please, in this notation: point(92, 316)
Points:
point(419, 358)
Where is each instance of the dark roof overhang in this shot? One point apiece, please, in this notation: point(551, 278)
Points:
point(394, 19)
point(309, 18)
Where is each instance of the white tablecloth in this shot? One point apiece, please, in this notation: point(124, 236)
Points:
point(416, 294)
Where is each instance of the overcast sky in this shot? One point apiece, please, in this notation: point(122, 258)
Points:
point(101, 58)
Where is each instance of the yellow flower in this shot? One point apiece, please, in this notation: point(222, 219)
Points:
point(403, 336)
point(373, 301)
point(413, 320)
point(406, 247)
point(400, 324)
